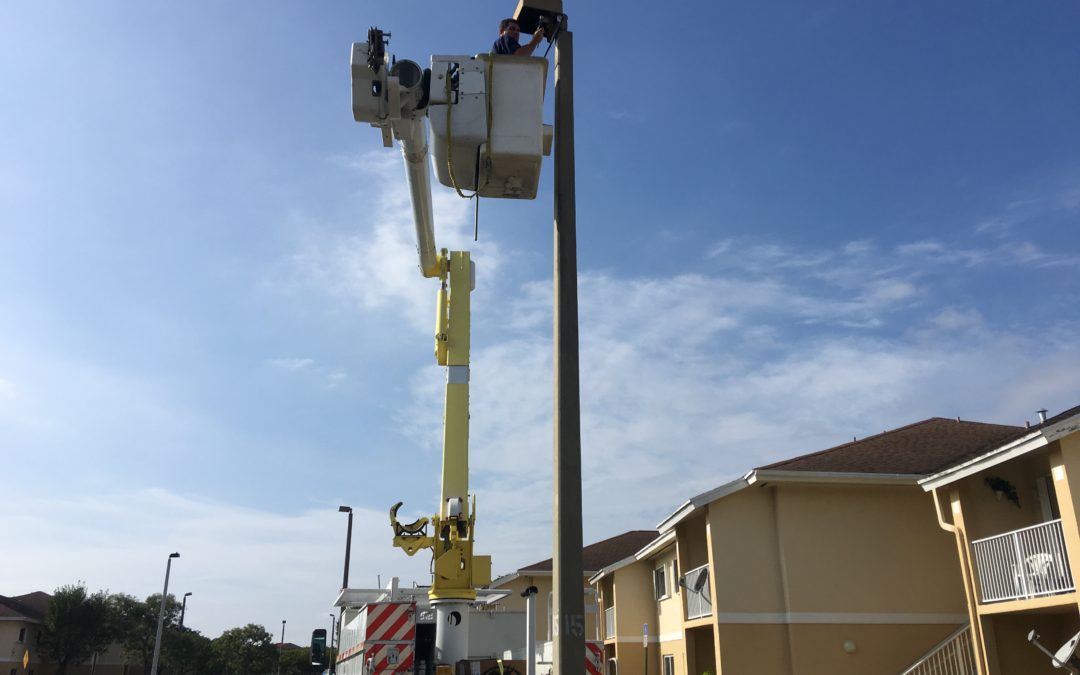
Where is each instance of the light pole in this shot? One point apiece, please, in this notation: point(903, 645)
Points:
point(161, 615)
point(183, 609)
point(330, 652)
point(567, 568)
point(344, 575)
point(348, 546)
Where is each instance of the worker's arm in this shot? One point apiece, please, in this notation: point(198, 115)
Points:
point(527, 50)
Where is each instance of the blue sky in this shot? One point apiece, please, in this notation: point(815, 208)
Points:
point(797, 224)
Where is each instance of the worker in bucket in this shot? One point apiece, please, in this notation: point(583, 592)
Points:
point(509, 32)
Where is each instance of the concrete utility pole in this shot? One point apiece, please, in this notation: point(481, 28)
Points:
point(161, 615)
point(568, 608)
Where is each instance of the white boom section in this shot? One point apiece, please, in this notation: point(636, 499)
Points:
point(388, 97)
point(414, 149)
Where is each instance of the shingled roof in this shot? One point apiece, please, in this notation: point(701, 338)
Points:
point(31, 606)
point(916, 449)
point(595, 557)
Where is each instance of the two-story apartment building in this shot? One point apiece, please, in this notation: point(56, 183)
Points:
point(830, 562)
point(641, 599)
point(22, 619)
point(22, 623)
point(1012, 509)
point(539, 574)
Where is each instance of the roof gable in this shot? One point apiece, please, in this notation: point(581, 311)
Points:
point(31, 606)
point(595, 557)
point(916, 449)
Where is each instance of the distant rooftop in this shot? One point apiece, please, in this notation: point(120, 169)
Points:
point(595, 557)
point(916, 449)
point(31, 606)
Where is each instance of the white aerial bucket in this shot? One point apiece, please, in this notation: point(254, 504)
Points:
point(486, 121)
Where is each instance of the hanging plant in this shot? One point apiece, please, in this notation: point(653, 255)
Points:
point(1003, 489)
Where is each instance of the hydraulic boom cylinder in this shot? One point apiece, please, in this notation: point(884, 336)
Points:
point(414, 149)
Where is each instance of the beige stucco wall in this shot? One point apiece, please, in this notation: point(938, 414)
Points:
point(837, 549)
point(819, 648)
point(745, 553)
point(866, 550)
point(634, 604)
point(693, 547)
point(800, 568)
point(669, 611)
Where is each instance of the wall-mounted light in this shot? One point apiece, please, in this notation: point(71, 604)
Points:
point(849, 646)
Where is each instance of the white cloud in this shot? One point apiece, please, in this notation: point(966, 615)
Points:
point(292, 364)
point(691, 379)
point(242, 565)
point(378, 268)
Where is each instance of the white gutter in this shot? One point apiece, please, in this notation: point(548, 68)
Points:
point(1020, 446)
point(611, 568)
point(646, 551)
point(655, 545)
point(1038, 438)
point(694, 503)
point(831, 477)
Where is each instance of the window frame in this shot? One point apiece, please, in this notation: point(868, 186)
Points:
point(660, 583)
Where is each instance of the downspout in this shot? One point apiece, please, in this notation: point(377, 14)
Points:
point(967, 575)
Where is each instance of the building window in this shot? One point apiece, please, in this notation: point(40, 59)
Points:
point(660, 582)
point(22, 635)
point(675, 574)
point(669, 664)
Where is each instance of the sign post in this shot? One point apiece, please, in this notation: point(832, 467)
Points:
point(645, 647)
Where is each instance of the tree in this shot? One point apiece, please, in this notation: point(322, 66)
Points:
point(76, 625)
point(296, 662)
point(246, 651)
point(134, 625)
point(186, 652)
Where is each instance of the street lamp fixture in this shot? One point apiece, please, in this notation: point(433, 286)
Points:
point(183, 608)
point(348, 546)
point(161, 615)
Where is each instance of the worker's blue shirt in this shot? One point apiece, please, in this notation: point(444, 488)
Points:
point(505, 45)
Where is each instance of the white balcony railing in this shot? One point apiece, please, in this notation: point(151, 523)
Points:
point(609, 623)
point(1026, 563)
point(698, 601)
point(953, 656)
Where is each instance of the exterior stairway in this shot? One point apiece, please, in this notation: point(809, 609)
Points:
point(952, 656)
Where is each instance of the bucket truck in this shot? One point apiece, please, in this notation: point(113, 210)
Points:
point(484, 114)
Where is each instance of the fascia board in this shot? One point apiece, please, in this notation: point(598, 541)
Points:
point(676, 516)
point(1005, 453)
point(655, 545)
point(694, 503)
point(611, 568)
point(832, 477)
point(504, 579)
point(1065, 427)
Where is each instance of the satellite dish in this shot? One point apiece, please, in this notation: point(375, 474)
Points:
point(701, 581)
point(1065, 657)
point(1066, 653)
